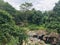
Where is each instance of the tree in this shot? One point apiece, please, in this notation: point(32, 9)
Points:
point(26, 6)
point(56, 9)
point(35, 17)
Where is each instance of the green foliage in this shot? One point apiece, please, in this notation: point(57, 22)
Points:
point(32, 16)
point(37, 17)
point(5, 17)
point(57, 7)
point(5, 26)
point(50, 19)
point(34, 19)
point(13, 41)
point(33, 27)
point(7, 7)
point(9, 29)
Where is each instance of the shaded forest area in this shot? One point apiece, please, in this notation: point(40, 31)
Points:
point(14, 24)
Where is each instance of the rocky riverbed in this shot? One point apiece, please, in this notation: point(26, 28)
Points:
point(42, 37)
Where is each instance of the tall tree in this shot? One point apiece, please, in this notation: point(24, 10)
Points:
point(25, 6)
point(56, 9)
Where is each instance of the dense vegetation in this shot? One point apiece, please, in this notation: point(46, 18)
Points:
point(14, 22)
